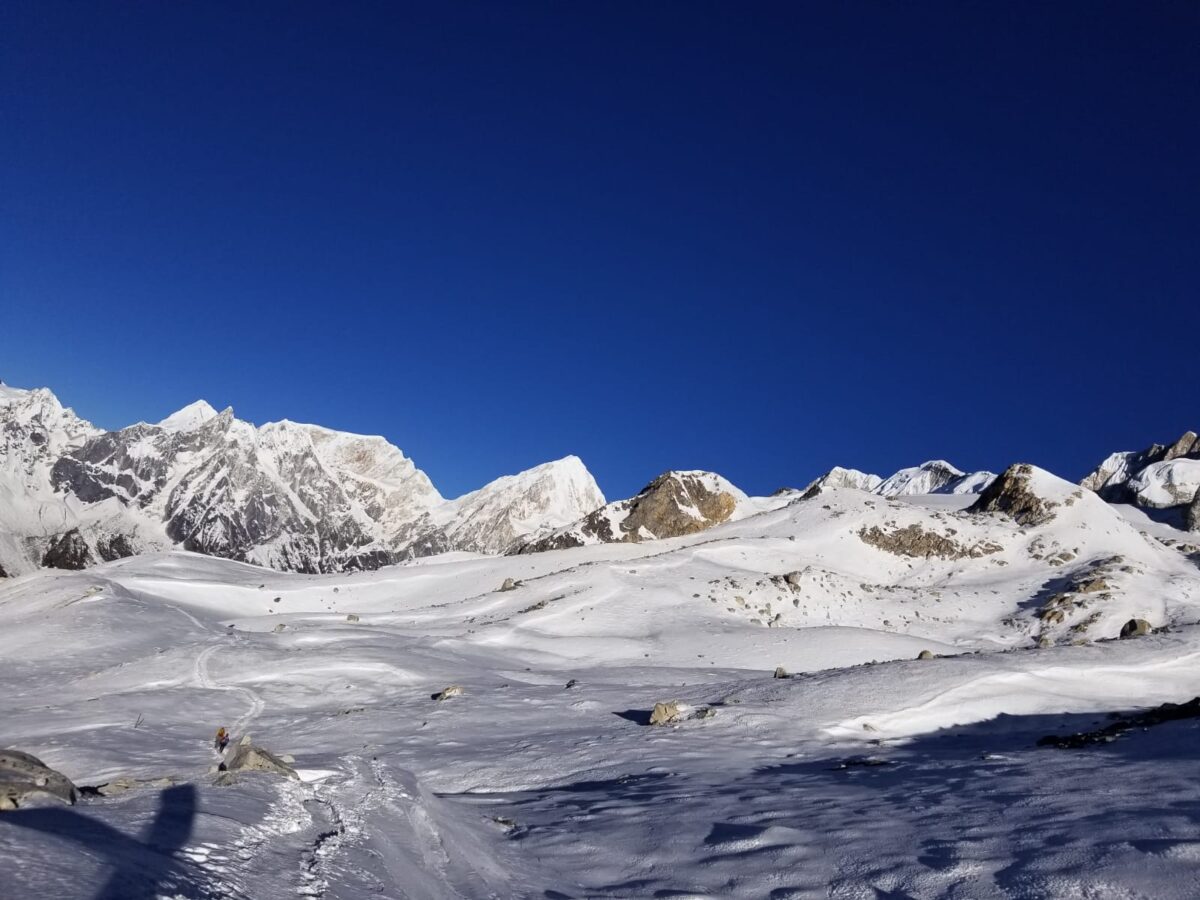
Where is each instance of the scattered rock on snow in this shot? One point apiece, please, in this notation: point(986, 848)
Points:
point(455, 690)
point(781, 672)
point(1168, 712)
point(123, 784)
point(914, 541)
point(353, 618)
point(510, 584)
point(925, 654)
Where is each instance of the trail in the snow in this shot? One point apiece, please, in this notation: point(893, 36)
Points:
point(202, 676)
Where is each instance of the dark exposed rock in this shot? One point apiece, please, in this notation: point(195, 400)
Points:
point(1135, 628)
point(1193, 515)
point(1011, 493)
point(68, 551)
point(1168, 712)
point(1188, 445)
point(117, 546)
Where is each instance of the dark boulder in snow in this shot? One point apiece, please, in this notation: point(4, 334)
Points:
point(1135, 628)
point(68, 551)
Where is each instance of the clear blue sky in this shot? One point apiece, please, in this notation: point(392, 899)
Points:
point(760, 239)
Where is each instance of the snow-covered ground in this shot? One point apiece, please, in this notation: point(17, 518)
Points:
point(869, 774)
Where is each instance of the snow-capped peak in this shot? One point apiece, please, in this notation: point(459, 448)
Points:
point(190, 417)
point(926, 478)
point(547, 496)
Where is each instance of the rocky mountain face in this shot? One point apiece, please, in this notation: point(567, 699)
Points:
point(672, 505)
point(1158, 477)
point(304, 498)
point(285, 495)
point(837, 477)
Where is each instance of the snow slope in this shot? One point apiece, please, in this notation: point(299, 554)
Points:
point(869, 774)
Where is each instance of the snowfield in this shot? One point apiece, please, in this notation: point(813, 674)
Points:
point(869, 773)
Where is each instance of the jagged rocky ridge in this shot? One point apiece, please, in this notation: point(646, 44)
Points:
point(285, 495)
point(1158, 477)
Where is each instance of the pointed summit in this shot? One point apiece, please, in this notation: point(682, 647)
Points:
point(190, 417)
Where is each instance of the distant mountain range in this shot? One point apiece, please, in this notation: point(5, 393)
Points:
point(308, 499)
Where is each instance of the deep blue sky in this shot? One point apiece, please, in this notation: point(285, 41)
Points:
point(759, 239)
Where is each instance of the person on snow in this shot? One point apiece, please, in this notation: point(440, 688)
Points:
point(221, 741)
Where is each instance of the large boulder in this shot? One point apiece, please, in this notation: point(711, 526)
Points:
point(23, 776)
point(666, 713)
point(246, 757)
point(1135, 628)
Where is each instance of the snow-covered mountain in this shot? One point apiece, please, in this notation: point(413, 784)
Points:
point(285, 495)
point(837, 477)
point(1158, 477)
point(934, 477)
point(493, 518)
